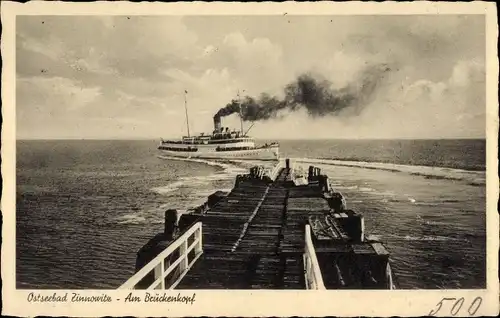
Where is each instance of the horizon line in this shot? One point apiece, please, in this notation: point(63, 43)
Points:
point(294, 139)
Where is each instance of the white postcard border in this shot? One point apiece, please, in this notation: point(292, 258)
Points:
point(258, 302)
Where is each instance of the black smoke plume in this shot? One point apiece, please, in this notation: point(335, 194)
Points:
point(313, 93)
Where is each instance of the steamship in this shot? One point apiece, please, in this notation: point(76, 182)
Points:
point(223, 143)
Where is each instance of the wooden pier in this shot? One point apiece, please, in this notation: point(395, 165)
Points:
point(272, 231)
point(247, 242)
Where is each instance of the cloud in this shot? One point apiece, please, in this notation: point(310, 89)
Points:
point(55, 95)
point(453, 107)
point(44, 103)
point(118, 71)
point(256, 64)
point(97, 44)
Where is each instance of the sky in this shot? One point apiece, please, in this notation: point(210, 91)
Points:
point(107, 77)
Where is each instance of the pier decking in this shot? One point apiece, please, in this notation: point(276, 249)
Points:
point(248, 243)
point(268, 233)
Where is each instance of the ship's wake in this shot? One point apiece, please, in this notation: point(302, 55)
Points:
point(228, 172)
point(475, 178)
point(203, 161)
point(417, 238)
point(185, 192)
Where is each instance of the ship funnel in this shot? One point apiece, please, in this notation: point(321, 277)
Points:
point(217, 124)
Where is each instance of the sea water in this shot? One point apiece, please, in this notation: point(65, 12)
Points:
point(84, 208)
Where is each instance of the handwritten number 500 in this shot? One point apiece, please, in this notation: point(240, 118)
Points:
point(473, 308)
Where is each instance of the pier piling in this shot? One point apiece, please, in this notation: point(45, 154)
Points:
point(170, 223)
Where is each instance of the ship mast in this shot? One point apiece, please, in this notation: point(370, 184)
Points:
point(241, 115)
point(185, 106)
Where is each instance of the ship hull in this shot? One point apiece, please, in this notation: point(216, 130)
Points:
point(270, 153)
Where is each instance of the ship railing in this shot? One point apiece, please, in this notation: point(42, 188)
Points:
point(168, 273)
point(312, 271)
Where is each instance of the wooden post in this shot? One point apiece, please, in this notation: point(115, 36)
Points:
point(170, 223)
point(362, 228)
point(326, 184)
